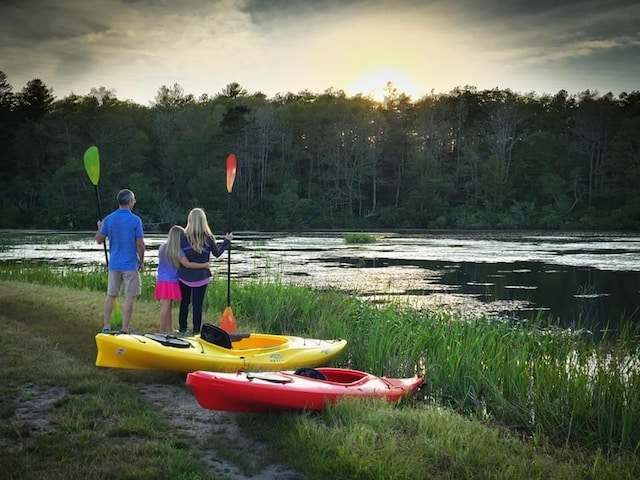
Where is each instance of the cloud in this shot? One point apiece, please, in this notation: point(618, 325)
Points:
point(554, 38)
point(277, 46)
point(77, 40)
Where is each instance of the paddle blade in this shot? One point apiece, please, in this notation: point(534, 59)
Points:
point(116, 316)
point(92, 164)
point(232, 163)
point(228, 321)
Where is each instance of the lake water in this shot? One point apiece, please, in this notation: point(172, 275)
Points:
point(582, 279)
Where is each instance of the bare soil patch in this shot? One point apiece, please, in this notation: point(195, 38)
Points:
point(183, 411)
point(225, 451)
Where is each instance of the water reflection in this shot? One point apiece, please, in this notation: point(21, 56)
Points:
point(576, 279)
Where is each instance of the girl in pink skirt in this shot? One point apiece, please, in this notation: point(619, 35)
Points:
point(170, 257)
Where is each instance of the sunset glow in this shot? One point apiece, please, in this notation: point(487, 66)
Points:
point(375, 84)
point(134, 48)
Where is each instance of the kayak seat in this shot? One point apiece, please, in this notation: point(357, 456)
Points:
point(311, 373)
point(237, 336)
point(215, 335)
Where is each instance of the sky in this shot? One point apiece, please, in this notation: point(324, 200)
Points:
point(135, 47)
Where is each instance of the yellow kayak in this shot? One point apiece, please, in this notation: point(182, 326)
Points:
point(221, 353)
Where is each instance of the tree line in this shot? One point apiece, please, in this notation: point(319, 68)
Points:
point(466, 159)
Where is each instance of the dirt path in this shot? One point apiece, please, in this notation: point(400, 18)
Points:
point(227, 454)
point(203, 424)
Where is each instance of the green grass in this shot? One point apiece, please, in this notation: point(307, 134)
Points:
point(499, 400)
point(567, 386)
point(96, 426)
point(359, 238)
point(417, 442)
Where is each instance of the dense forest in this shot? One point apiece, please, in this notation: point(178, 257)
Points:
point(466, 159)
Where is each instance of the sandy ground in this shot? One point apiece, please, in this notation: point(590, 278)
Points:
point(202, 424)
point(189, 419)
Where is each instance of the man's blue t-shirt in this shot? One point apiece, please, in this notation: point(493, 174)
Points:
point(122, 228)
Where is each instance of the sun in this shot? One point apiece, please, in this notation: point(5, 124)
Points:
point(375, 84)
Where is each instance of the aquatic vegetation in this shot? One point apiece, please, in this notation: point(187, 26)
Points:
point(359, 238)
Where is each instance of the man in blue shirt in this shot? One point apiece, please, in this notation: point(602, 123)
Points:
point(126, 252)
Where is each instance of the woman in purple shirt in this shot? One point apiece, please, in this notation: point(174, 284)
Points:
point(198, 244)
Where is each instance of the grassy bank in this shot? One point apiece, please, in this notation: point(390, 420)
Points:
point(499, 402)
point(60, 416)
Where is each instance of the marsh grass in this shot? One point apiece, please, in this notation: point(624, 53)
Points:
point(555, 400)
point(355, 439)
point(359, 238)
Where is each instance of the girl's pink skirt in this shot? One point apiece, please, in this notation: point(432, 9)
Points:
point(167, 291)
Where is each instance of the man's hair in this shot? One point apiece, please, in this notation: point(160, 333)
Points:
point(125, 196)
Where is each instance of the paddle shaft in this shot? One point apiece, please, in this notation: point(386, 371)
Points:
point(232, 164)
point(228, 321)
point(229, 252)
point(92, 167)
point(104, 244)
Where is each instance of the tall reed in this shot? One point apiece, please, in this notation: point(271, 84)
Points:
point(568, 386)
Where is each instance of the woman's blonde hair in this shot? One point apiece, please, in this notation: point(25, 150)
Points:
point(172, 246)
point(197, 230)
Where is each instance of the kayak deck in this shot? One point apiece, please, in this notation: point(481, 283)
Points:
point(303, 389)
point(260, 352)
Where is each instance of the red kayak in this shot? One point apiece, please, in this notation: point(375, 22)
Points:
point(303, 389)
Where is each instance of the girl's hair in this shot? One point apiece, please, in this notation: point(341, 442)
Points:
point(172, 246)
point(197, 230)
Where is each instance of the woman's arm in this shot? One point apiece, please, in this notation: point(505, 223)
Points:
point(184, 261)
point(218, 249)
